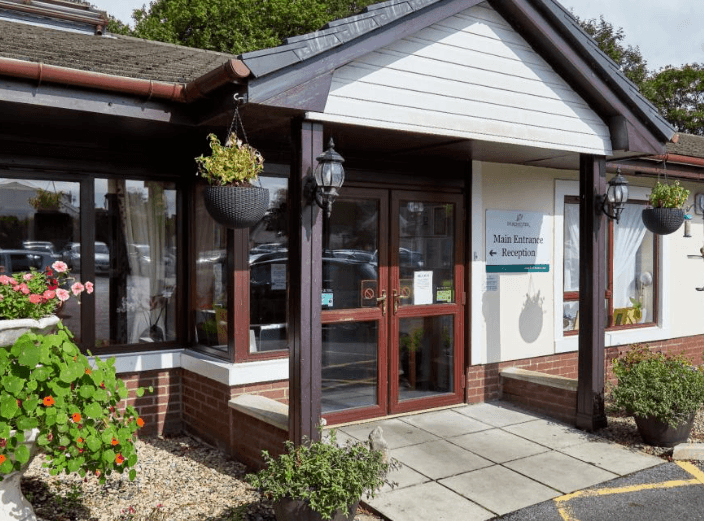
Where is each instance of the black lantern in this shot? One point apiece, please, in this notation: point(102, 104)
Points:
point(328, 178)
point(616, 196)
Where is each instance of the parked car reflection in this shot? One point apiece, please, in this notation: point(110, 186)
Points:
point(14, 261)
point(72, 257)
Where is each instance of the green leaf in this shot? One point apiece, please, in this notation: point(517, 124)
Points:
point(6, 466)
point(133, 474)
point(13, 384)
point(86, 391)
point(22, 454)
point(8, 406)
point(140, 391)
point(109, 456)
point(93, 410)
point(42, 440)
point(93, 443)
point(24, 423)
point(29, 356)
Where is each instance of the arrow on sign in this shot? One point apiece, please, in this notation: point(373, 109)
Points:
point(492, 253)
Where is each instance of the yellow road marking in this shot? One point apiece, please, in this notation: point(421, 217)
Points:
point(692, 469)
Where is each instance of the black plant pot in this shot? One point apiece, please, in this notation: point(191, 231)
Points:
point(235, 206)
point(297, 510)
point(661, 434)
point(663, 221)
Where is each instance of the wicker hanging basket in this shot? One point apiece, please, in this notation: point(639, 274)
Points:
point(663, 221)
point(236, 206)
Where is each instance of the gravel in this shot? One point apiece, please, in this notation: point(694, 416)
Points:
point(181, 479)
point(178, 479)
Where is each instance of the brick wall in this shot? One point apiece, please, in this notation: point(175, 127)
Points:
point(553, 401)
point(483, 380)
point(251, 435)
point(161, 409)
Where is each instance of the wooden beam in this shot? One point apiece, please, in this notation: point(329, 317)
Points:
point(592, 288)
point(305, 286)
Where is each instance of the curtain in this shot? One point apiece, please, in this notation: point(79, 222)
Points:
point(571, 249)
point(628, 238)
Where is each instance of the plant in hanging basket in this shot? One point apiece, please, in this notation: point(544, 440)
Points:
point(230, 170)
point(667, 212)
point(660, 391)
point(46, 200)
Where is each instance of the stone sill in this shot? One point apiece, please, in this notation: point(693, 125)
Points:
point(547, 380)
point(262, 408)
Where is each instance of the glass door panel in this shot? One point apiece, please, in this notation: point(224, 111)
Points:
point(426, 252)
point(426, 356)
point(354, 329)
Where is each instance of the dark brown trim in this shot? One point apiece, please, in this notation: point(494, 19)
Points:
point(87, 227)
point(592, 244)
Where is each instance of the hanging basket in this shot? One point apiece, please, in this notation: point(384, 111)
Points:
point(663, 221)
point(236, 206)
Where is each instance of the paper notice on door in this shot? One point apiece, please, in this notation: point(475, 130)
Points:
point(422, 288)
point(278, 276)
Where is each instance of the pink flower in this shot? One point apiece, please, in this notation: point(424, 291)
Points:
point(49, 294)
point(4, 280)
point(60, 266)
point(35, 299)
point(12, 281)
point(89, 287)
point(77, 288)
point(24, 289)
point(27, 276)
point(63, 294)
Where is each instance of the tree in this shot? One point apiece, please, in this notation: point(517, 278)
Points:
point(678, 93)
point(234, 26)
point(610, 41)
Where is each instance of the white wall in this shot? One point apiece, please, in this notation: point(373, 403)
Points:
point(469, 76)
point(499, 318)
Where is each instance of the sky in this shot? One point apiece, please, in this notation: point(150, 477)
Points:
point(667, 33)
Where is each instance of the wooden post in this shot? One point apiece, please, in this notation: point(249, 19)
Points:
point(592, 291)
point(305, 286)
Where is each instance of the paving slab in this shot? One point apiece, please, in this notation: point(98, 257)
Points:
point(498, 446)
point(404, 477)
point(550, 433)
point(561, 472)
point(688, 451)
point(495, 414)
point(499, 489)
point(439, 459)
point(446, 423)
point(397, 433)
point(612, 457)
point(428, 502)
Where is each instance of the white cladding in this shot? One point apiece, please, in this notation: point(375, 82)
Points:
point(469, 76)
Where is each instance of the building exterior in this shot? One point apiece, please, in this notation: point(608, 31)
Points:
point(474, 134)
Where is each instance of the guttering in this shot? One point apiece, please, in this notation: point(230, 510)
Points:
point(678, 158)
point(97, 19)
point(232, 71)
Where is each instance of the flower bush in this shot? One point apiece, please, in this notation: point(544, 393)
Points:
point(49, 385)
point(35, 294)
point(664, 195)
point(650, 384)
point(233, 164)
point(327, 476)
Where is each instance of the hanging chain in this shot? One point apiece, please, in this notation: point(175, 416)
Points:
point(236, 123)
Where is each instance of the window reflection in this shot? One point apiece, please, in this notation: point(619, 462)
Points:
point(135, 261)
point(268, 261)
point(39, 220)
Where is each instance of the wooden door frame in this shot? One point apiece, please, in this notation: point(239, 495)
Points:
point(456, 309)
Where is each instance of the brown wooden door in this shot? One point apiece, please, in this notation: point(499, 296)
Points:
point(391, 303)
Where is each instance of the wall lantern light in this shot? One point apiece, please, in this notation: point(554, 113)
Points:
point(616, 197)
point(328, 178)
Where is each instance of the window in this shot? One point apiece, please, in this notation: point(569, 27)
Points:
point(631, 277)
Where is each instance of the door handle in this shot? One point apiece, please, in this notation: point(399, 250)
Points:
point(382, 299)
point(396, 299)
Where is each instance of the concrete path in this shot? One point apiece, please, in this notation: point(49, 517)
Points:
point(475, 462)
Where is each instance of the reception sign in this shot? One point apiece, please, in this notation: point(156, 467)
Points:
point(517, 241)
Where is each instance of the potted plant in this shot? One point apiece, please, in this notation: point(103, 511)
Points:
point(58, 402)
point(667, 212)
point(46, 200)
point(230, 170)
point(321, 480)
point(662, 392)
point(29, 299)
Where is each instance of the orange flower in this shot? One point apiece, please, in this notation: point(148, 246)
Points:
point(140, 422)
point(119, 459)
point(48, 401)
point(79, 440)
point(76, 417)
point(2, 459)
point(114, 441)
point(88, 371)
